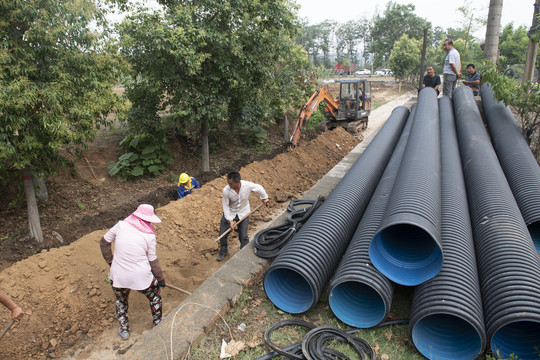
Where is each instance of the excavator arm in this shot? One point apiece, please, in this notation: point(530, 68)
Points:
point(311, 105)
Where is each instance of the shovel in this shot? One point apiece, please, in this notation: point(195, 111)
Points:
point(177, 289)
point(6, 329)
point(239, 221)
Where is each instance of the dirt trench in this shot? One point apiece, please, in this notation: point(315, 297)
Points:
point(63, 290)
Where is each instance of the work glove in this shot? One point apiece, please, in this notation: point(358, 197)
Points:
point(161, 283)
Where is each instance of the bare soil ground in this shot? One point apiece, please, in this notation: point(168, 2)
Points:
point(62, 288)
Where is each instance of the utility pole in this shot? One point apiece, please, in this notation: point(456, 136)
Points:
point(528, 74)
point(423, 60)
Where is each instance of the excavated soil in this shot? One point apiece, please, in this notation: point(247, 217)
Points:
point(63, 292)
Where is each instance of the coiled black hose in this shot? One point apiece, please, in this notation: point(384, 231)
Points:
point(269, 242)
point(314, 341)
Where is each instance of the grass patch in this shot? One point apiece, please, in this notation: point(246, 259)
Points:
point(258, 313)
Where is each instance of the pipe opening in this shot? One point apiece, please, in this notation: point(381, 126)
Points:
point(521, 338)
point(357, 304)
point(288, 290)
point(406, 254)
point(443, 336)
point(534, 230)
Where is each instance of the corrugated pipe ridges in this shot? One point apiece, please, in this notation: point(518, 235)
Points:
point(508, 266)
point(446, 319)
point(517, 161)
point(359, 295)
point(407, 247)
point(297, 276)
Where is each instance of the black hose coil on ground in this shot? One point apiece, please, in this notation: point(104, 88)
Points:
point(313, 343)
point(358, 294)
point(269, 242)
point(446, 319)
point(516, 159)
point(407, 247)
point(508, 265)
point(298, 275)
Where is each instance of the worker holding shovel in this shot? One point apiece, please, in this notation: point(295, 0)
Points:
point(16, 311)
point(135, 265)
point(236, 207)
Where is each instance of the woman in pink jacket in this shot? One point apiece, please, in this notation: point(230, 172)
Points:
point(135, 265)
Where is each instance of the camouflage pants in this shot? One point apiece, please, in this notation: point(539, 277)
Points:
point(152, 293)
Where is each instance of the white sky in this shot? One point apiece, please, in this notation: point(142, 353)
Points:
point(441, 13)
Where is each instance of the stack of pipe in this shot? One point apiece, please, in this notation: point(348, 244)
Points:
point(446, 320)
point(295, 280)
point(508, 265)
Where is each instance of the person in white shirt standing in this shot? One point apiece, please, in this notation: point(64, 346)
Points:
point(235, 206)
point(452, 68)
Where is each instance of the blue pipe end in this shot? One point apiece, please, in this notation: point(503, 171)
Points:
point(534, 230)
point(520, 338)
point(289, 290)
point(357, 304)
point(446, 337)
point(406, 254)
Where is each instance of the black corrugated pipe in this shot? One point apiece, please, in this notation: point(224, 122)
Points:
point(359, 295)
point(446, 319)
point(297, 277)
point(508, 265)
point(407, 247)
point(516, 159)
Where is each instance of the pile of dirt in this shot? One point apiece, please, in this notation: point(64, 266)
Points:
point(63, 290)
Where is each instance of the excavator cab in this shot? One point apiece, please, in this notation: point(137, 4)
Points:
point(354, 101)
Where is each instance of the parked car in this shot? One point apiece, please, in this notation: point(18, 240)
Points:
point(363, 72)
point(384, 72)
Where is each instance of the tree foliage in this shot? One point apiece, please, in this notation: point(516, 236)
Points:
point(405, 57)
point(56, 81)
point(210, 60)
point(513, 44)
point(397, 20)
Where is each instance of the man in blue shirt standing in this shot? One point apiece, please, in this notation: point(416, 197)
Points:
point(473, 79)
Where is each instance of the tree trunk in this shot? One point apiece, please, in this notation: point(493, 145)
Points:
point(286, 128)
point(40, 188)
point(423, 61)
point(528, 75)
point(491, 47)
point(205, 148)
point(31, 204)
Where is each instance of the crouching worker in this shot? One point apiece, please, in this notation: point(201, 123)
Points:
point(186, 184)
point(135, 265)
point(236, 206)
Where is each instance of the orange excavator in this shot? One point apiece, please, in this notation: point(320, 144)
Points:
point(350, 109)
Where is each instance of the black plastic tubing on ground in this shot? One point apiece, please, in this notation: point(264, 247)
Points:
point(297, 276)
point(516, 159)
point(358, 294)
point(407, 247)
point(446, 320)
point(508, 266)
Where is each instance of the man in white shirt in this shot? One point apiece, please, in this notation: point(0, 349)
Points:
point(236, 206)
point(452, 68)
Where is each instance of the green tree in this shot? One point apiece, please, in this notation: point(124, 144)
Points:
point(348, 36)
point(405, 57)
point(397, 20)
point(56, 85)
point(204, 61)
point(513, 44)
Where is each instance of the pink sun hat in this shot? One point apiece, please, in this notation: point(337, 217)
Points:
point(146, 212)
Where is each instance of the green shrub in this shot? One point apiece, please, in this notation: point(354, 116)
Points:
point(145, 155)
